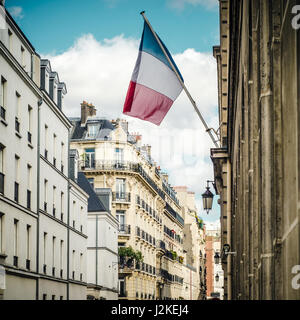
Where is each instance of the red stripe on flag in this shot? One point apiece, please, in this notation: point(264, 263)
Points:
point(146, 104)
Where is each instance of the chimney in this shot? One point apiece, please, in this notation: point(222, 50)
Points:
point(148, 150)
point(87, 110)
point(124, 125)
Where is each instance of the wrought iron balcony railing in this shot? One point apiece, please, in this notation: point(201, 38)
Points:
point(126, 166)
point(124, 229)
point(121, 196)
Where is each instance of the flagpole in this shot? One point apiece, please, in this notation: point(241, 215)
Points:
point(180, 80)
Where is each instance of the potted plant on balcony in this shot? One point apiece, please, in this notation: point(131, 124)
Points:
point(128, 255)
point(174, 254)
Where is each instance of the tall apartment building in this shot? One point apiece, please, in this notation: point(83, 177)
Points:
point(193, 243)
point(214, 271)
point(102, 244)
point(257, 166)
point(146, 207)
point(42, 212)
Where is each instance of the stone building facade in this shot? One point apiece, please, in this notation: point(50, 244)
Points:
point(146, 207)
point(43, 213)
point(257, 165)
point(193, 244)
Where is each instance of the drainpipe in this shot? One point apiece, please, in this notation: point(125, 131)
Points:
point(38, 198)
point(229, 261)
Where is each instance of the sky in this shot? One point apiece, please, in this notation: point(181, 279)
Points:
point(93, 45)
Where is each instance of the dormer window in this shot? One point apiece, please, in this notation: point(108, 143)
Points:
point(92, 130)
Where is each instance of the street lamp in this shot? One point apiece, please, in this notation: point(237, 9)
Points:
point(207, 198)
point(217, 258)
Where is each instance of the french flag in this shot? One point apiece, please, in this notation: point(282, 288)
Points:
point(154, 85)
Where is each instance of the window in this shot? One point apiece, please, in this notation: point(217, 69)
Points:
point(90, 158)
point(122, 292)
point(3, 98)
point(17, 164)
point(16, 239)
point(53, 297)
point(53, 201)
point(1, 169)
point(120, 188)
point(45, 194)
point(81, 265)
point(17, 111)
point(73, 264)
point(46, 141)
point(44, 296)
point(9, 40)
point(73, 213)
point(23, 57)
point(53, 255)
point(28, 229)
point(120, 214)
point(62, 206)
point(119, 156)
point(28, 186)
point(29, 134)
point(61, 257)
point(92, 130)
point(62, 156)
point(54, 150)
point(61, 298)
point(45, 248)
point(1, 232)
point(91, 181)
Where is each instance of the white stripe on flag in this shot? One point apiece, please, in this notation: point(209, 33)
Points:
point(155, 75)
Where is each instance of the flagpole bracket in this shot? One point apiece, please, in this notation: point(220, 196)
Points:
point(142, 12)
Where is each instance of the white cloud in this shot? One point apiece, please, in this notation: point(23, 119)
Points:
point(99, 72)
point(16, 12)
point(180, 4)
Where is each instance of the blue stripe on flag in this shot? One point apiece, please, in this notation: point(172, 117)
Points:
point(149, 44)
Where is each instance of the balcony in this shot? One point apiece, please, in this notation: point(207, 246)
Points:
point(17, 125)
point(124, 229)
point(29, 137)
point(121, 197)
point(27, 264)
point(15, 261)
point(2, 182)
point(16, 197)
point(28, 199)
point(2, 113)
point(122, 166)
